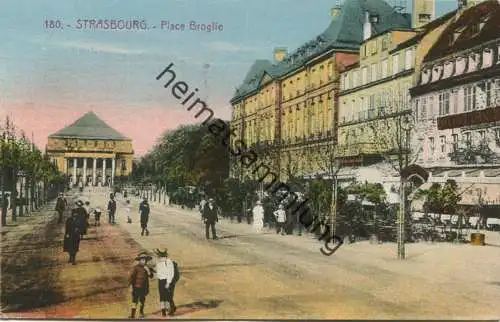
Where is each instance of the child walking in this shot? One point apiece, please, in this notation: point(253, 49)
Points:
point(139, 279)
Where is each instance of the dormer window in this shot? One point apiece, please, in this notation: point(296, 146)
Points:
point(487, 58)
point(460, 66)
point(374, 18)
point(436, 73)
point(473, 62)
point(426, 76)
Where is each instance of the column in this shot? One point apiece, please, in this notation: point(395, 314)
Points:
point(94, 172)
point(113, 171)
point(103, 172)
point(74, 171)
point(84, 172)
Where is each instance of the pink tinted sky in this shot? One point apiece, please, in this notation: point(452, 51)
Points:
point(142, 125)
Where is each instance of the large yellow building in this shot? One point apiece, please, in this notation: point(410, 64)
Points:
point(286, 110)
point(90, 151)
point(374, 95)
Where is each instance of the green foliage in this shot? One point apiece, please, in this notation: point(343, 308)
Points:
point(187, 156)
point(372, 192)
point(441, 199)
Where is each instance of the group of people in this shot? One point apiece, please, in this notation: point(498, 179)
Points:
point(167, 273)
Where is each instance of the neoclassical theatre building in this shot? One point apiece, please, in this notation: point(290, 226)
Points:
point(90, 151)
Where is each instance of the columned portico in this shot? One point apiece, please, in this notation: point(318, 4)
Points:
point(90, 139)
point(94, 171)
point(113, 167)
point(84, 171)
point(74, 171)
point(103, 172)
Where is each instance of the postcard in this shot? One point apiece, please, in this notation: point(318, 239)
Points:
point(256, 160)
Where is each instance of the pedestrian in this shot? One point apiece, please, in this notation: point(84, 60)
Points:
point(139, 280)
point(168, 275)
point(87, 216)
point(97, 216)
point(203, 202)
point(60, 207)
point(280, 215)
point(72, 237)
point(111, 209)
point(144, 212)
point(81, 217)
point(258, 217)
point(129, 211)
point(210, 218)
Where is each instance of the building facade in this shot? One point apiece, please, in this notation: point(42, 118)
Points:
point(374, 101)
point(89, 151)
point(287, 110)
point(457, 102)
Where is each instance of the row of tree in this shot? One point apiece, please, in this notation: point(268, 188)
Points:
point(28, 176)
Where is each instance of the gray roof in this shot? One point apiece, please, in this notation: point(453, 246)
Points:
point(89, 126)
point(344, 33)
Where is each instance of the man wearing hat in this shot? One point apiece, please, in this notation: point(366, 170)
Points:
point(165, 271)
point(139, 280)
point(258, 217)
point(81, 217)
point(144, 212)
point(111, 208)
point(60, 207)
point(72, 237)
point(210, 218)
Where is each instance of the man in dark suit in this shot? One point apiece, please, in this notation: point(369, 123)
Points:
point(111, 208)
point(210, 218)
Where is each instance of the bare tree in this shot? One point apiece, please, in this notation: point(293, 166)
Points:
point(392, 132)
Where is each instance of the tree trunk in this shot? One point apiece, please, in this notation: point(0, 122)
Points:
point(32, 192)
point(13, 198)
point(21, 196)
point(27, 194)
point(4, 209)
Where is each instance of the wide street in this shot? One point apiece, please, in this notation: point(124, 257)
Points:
point(241, 275)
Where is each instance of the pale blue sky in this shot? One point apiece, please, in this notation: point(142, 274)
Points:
point(120, 66)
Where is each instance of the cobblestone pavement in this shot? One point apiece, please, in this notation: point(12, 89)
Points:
point(249, 275)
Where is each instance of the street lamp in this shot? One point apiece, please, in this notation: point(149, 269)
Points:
point(406, 126)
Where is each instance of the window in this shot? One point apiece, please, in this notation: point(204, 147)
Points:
point(409, 59)
point(385, 44)
point(487, 58)
point(473, 62)
point(354, 78)
point(470, 98)
point(460, 66)
point(483, 94)
point(497, 134)
point(444, 103)
point(432, 146)
point(395, 64)
point(374, 72)
point(442, 144)
point(364, 76)
point(454, 142)
point(423, 108)
point(467, 138)
point(384, 68)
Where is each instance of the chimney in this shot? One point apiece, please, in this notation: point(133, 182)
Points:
point(424, 11)
point(335, 12)
point(280, 53)
point(367, 27)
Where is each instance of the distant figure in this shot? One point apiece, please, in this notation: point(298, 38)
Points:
point(97, 216)
point(81, 186)
point(81, 217)
point(210, 218)
point(258, 217)
point(87, 216)
point(111, 209)
point(139, 280)
point(72, 237)
point(129, 211)
point(144, 212)
point(60, 207)
point(168, 275)
point(203, 202)
point(280, 215)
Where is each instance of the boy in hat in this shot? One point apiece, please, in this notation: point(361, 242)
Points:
point(167, 277)
point(139, 279)
point(280, 215)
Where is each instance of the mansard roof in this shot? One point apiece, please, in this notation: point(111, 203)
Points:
point(345, 33)
point(472, 27)
point(89, 126)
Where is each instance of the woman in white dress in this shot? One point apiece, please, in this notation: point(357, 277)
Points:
point(258, 217)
